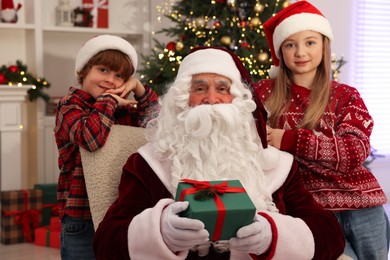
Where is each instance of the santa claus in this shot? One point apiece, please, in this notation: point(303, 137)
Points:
point(206, 130)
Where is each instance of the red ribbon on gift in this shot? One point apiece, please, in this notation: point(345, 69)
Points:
point(23, 217)
point(220, 188)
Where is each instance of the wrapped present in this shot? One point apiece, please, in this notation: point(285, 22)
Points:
point(55, 224)
point(20, 215)
point(44, 236)
point(99, 12)
point(49, 201)
point(223, 206)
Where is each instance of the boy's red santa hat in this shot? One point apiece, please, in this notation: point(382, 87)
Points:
point(103, 43)
point(223, 62)
point(297, 17)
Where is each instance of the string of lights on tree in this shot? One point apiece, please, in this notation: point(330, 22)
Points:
point(17, 75)
point(233, 24)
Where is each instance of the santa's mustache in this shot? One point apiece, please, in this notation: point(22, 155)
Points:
point(200, 121)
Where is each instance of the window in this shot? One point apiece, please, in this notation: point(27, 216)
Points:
point(371, 65)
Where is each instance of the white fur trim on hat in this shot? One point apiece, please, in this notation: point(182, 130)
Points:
point(209, 61)
point(300, 22)
point(102, 43)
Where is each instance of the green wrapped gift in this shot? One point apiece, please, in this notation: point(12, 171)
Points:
point(223, 206)
point(49, 201)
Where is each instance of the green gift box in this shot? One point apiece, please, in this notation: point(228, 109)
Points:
point(223, 206)
point(49, 201)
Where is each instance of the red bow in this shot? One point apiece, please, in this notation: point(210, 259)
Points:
point(23, 217)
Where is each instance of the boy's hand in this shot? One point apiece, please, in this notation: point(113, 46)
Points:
point(124, 102)
point(131, 85)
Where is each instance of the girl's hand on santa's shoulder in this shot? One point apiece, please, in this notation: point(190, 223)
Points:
point(274, 136)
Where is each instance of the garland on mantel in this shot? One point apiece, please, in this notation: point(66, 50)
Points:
point(16, 75)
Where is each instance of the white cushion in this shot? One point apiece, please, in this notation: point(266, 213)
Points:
point(103, 168)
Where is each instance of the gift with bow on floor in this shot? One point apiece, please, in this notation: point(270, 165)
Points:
point(21, 213)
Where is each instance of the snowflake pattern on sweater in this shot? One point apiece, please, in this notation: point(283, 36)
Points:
point(331, 157)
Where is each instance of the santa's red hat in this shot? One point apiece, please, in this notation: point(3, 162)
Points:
point(297, 17)
point(204, 59)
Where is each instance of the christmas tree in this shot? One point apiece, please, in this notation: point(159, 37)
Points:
point(234, 24)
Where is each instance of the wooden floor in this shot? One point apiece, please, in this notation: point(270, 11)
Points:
point(27, 251)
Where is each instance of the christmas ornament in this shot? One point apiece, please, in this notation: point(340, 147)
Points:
point(200, 22)
point(226, 40)
point(258, 8)
point(179, 46)
point(220, 1)
point(13, 69)
point(242, 23)
point(245, 45)
point(263, 57)
point(255, 21)
point(8, 11)
point(217, 24)
point(3, 79)
point(171, 46)
point(231, 2)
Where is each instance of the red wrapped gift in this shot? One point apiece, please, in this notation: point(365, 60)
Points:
point(21, 213)
point(99, 11)
point(46, 237)
point(55, 224)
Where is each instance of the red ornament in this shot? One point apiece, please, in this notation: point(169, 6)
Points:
point(3, 79)
point(221, 1)
point(13, 68)
point(171, 46)
point(217, 24)
point(245, 45)
point(242, 23)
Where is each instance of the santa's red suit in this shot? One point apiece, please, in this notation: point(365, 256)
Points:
point(131, 227)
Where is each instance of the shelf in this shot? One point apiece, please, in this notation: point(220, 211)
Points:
point(90, 30)
point(17, 26)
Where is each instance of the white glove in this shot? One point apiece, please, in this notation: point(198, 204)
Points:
point(181, 234)
point(254, 238)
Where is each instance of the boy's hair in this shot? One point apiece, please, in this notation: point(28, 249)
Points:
point(113, 59)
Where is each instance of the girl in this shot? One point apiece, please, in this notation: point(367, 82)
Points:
point(325, 125)
point(105, 68)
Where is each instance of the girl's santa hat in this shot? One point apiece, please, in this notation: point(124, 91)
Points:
point(297, 17)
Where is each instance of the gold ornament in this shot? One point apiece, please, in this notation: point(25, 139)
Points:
point(231, 2)
point(286, 3)
point(226, 40)
point(255, 21)
point(200, 22)
point(179, 45)
point(263, 57)
point(258, 8)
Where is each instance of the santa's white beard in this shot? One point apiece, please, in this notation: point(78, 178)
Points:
point(218, 142)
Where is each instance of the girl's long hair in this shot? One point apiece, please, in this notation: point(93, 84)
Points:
point(279, 99)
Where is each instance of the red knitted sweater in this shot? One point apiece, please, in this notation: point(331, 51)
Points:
point(331, 157)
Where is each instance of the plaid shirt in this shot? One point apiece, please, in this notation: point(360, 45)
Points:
point(82, 121)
